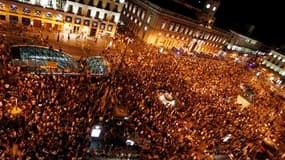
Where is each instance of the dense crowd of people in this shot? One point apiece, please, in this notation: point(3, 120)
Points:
point(58, 111)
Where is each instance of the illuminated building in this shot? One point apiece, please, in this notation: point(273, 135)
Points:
point(276, 62)
point(246, 45)
point(176, 24)
point(55, 4)
point(88, 17)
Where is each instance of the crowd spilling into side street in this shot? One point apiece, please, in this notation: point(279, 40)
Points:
point(58, 111)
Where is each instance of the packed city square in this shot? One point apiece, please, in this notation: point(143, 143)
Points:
point(58, 111)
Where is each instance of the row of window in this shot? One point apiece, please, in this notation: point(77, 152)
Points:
point(135, 10)
point(27, 21)
point(187, 31)
point(277, 60)
point(59, 4)
point(58, 17)
point(27, 10)
point(87, 22)
point(89, 14)
point(134, 13)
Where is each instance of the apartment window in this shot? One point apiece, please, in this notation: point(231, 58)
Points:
point(171, 27)
point(13, 7)
point(48, 15)
point(68, 19)
point(102, 26)
point(148, 19)
point(177, 26)
point(134, 9)
point(105, 16)
point(181, 29)
point(77, 21)
point(90, 3)
point(186, 31)
point(116, 8)
point(113, 18)
point(86, 22)
point(94, 24)
point(13, 19)
point(2, 5)
point(143, 15)
point(79, 12)
point(2, 17)
point(70, 9)
point(163, 25)
point(89, 13)
point(138, 12)
point(97, 14)
point(190, 33)
point(59, 17)
point(108, 6)
point(206, 36)
point(217, 39)
point(100, 4)
point(110, 27)
point(130, 7)
point(26, 10)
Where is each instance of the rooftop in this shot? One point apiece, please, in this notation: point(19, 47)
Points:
point(176, 7)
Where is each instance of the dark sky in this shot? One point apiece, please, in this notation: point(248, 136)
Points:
point(266, 15)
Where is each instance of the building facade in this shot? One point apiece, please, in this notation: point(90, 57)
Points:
point(246, 45)
point(276, 62)
point(88, 17)
point(164, 28)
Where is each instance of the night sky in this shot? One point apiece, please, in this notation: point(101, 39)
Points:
point(266, 16)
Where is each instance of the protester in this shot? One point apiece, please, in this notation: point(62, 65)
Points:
point(58, 111)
